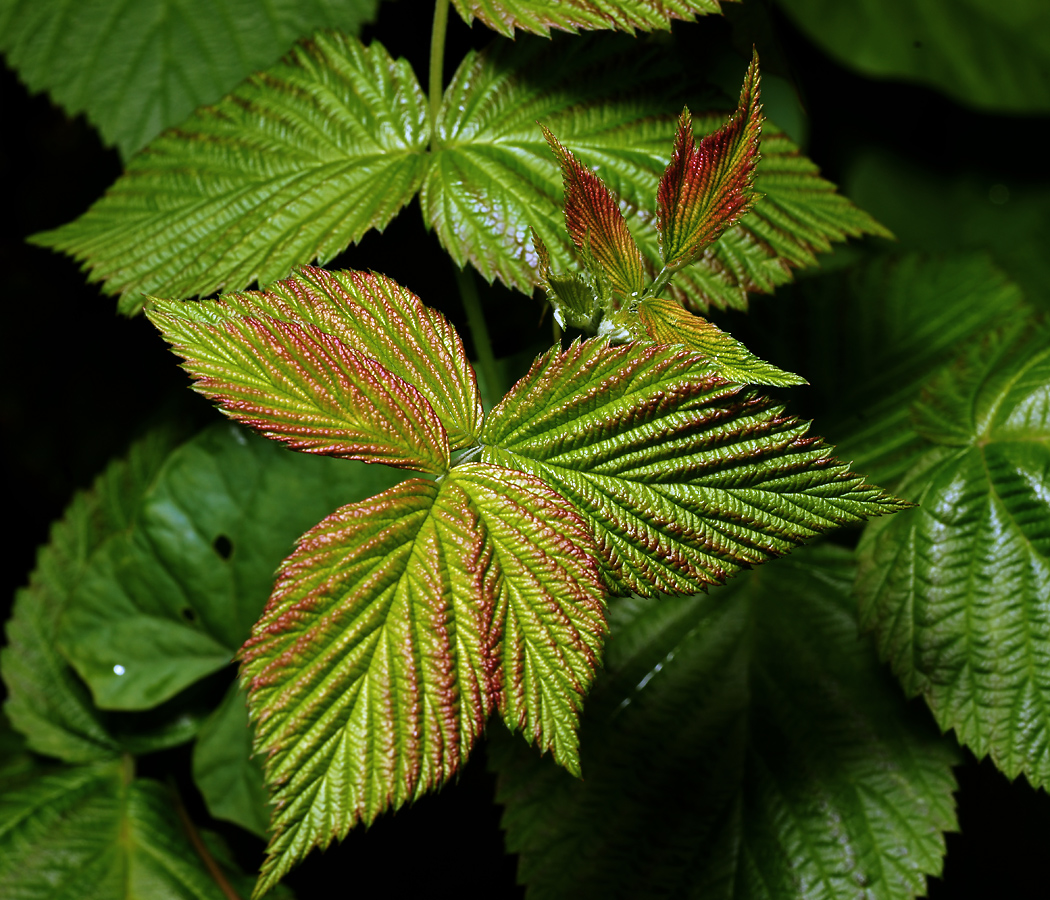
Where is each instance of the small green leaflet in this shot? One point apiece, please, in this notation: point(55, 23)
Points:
point(738, 746)
point(707, 188)
point(540, 16)
point(395, 629)
point(666, 322)
point(306, 157)
point(683, 477)
point(97, 833)
point(366, 314)
point(955, 590)
point(169, 598)
point(138, 68)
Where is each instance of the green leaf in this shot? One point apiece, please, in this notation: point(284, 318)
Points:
point(46, 701)
point(895, 320)
point(615, 109)
point(295, 164)
point(985, 53)
point(739, 745)
point(540, 16)
point(229, 778)
point(955, 589)
point(667, 323)
point(138, 68)
point(398, 625)
point(707, 188)
point(15, 760)
point(95, 833)
point(367, 313)
point(169, 599)
point(683, 477)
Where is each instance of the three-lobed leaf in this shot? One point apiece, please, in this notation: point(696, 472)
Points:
point(742, 744)
point(955, 589)
point(398, 626)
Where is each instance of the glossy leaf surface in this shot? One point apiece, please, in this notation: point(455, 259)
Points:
point(394, 630)
point(708, 187)
point(370, 315)
point(95, 833)
point(989, 54)
point(138, 68)
point(684, 478)
point(666, 322)
point(738, 745)
point(956, 590)
point(540, 16)
point(294, 165)
point(168, 600)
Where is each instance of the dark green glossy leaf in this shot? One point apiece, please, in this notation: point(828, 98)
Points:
point(987, 53)
point(397, 627)
point(540, 16)
point(295, 164)
point(229, 777)
point(738, 745)
point(684, 478)
point(167, 601)
point(137, 68)
point(956, 589)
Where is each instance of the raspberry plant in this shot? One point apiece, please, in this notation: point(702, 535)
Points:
point(567, 551)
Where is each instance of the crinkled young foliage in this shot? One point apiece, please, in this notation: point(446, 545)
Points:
point(401, 623)
point(303, 159)
point(739, 744)
point(956, 590)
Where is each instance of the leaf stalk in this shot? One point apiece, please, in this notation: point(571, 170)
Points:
point(479, 333)
point(437, 67)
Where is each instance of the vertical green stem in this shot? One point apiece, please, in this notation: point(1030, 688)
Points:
point(210, 864)
point(437, 65)
point(479, 332)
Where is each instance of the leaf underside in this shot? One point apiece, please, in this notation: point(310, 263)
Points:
point(306, 157)
point(683, 477)
point(395, 629)
point(740, 745)
point(956, 590)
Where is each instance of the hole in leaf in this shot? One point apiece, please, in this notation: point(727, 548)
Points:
point(189, 614)
point(223, 546)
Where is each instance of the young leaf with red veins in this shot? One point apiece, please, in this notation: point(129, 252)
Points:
point(375, 317)
point(296, 384)
point(683, 477)
point(707, 188)
point(398, 626)
point(596, 225)
point(666, 322)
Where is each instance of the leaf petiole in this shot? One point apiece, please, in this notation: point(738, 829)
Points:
point(437, 66)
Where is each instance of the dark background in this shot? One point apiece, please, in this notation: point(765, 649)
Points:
point(78, 383)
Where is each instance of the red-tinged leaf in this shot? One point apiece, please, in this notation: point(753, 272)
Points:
point(666, 322)
point(395, 629)
point(296, 384)
point(374, 316)
point(596, 225)
point(684, 478)
point(706, 188)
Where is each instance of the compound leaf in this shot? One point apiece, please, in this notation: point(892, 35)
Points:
point(684, 478)
point(540, 16)
point(137, 68)
point(168, 599)
point(740, 745)
point(955, 590)
point(371, 315)
point(394, 630)
point(296, 163)
point(97, 833)
point(707, 188)
point(666, 322)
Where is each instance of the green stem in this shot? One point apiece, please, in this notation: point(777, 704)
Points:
point(202, 851)
point(479, 332)
point(660, 282)
point(437, 66)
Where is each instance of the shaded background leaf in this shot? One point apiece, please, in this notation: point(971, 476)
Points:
point(138, 68)
point(741, 744)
